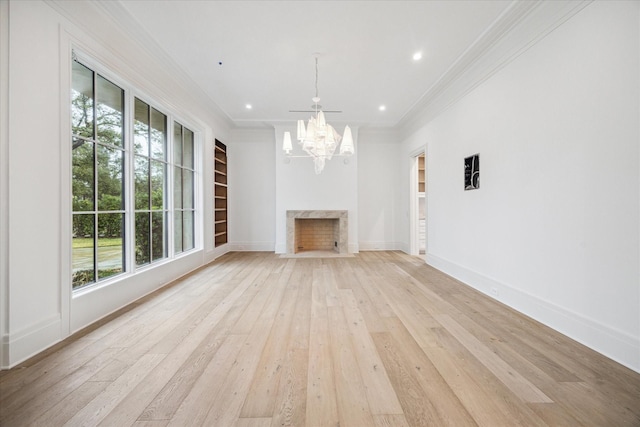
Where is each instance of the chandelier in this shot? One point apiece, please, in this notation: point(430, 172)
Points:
point(319, 139)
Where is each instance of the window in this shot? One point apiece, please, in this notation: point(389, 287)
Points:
point(106, 202)
point(183, 191)
point(150, 169)
point(97, 112)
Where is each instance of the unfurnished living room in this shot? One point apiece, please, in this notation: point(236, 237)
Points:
point(319, 213)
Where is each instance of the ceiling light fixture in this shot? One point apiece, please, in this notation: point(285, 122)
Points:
point(417, 56)
point(319, 139)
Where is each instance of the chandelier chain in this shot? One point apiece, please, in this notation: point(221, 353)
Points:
point(316, 77)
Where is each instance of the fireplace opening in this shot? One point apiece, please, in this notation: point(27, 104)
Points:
point(322, 231)
point(315, 234)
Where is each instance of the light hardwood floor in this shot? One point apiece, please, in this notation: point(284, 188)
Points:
point(379, 339)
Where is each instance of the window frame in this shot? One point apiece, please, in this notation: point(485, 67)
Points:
point(131, 92)
point(175, 164)
point(98, 145)
point(166, 208)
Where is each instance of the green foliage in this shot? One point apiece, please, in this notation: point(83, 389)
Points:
point(85, 277)
point(110, 225)
point(79, 242)
point(81, 278)
point(143, 243)
point(109, 174)
point(83, 225)
point(108, 272)
point(157, 198)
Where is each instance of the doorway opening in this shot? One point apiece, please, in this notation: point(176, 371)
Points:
point(418, 217)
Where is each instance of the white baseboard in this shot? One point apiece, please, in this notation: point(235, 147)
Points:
point(252, 246)
point(22, 345)
point(216, 253)
point(379, 246)
point(612, 343)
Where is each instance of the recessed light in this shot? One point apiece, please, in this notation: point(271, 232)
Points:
point(382, 108)
point(417, 56)
point(248, 106)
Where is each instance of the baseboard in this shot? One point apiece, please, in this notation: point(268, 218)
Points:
point(612, 343)
point(251, 246)
point(22, 345)
point(379, 246)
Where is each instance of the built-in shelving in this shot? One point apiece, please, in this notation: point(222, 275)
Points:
point(421, 178)
point(220, 194)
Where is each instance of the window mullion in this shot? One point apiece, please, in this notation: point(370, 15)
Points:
point(149, 187)
point(129, 182)
point(169, 185)
point(94, 135)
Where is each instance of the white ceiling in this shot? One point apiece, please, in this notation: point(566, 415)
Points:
point(262, 52)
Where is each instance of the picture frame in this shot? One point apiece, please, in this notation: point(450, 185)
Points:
point(472, 172)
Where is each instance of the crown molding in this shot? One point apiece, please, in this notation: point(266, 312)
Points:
point(523, 24)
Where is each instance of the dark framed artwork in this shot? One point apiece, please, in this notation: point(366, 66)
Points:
point(472, 172)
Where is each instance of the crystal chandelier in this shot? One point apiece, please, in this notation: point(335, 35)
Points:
point(319, 139)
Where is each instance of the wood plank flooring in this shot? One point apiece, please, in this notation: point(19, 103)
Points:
point(379, 339)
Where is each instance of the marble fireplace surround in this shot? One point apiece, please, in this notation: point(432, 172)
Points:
point(343, 224)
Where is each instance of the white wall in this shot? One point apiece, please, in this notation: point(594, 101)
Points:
point(378, 189)
point(299, 188)
point(554, 229)
point(252, 175)
point(37, 307)
point(254, 156)
point(33, 264)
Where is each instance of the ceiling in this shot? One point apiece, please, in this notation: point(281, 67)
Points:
point(262, 53)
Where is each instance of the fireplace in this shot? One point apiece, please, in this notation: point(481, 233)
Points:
point(317, 230)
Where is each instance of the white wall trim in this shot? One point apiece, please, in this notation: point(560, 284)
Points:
point(28, 342)
point(252, 247)
point(617, 345)
point(4, 183)
point(404, 247)
point(65, 220)
point(638, 352)
point(414, 243)
point(215, 253)
point(379, 246)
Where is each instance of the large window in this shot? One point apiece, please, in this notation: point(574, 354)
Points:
point(183, 191)
point(97, 111)
point(107, 203)
point(150, 142)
